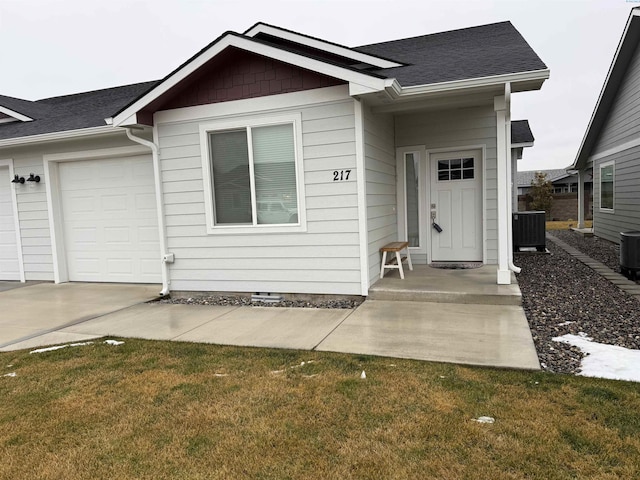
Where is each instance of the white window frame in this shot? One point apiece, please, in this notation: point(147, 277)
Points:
point(612, 164)
point(238, 123)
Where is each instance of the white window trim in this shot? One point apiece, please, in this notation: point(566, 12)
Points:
point(243, 122)
point(610, 163)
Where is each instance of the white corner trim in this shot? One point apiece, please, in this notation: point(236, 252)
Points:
point(247, 44)
point(618, 149)
point(362, 197)
point(321, 45)
point(14, 114)
point(64, 135)
point(16, 219)
point(249, 106)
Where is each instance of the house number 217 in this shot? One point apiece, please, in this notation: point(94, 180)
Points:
point(339, 175)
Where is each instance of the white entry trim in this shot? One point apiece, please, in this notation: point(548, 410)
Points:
point(14, 204)
point(401, 187)
point(54, 208)
point(483, 152)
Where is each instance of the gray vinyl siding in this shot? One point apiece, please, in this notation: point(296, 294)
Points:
point(456, 129)
point(623, 122)
point(322, 260)
point(33, 216)
point(626, 198)
point(380, 176)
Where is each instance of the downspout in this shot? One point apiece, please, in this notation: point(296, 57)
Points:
point(159, 206)
point(507, 97)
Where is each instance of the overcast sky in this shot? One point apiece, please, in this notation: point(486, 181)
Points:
point(58, 47)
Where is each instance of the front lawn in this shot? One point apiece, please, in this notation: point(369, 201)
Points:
point(176, 410)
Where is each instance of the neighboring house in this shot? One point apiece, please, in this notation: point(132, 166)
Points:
point(610, 149)
point(271, 161)
point(564, 189)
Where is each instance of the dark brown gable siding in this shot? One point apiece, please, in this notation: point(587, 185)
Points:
point(235, 75)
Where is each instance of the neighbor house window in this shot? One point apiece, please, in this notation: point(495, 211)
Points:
point(606, 186)
point(253, 173)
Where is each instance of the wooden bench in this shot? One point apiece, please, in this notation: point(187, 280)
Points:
point(395, 262)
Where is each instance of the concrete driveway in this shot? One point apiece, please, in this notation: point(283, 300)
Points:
point(488, 335)
point(32, 314)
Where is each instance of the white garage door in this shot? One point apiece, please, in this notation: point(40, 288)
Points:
point(109, 217)
point(9, 266)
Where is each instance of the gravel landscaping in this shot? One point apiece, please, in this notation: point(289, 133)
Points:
point(562, 295)
point(246, 301)
point(599, 249)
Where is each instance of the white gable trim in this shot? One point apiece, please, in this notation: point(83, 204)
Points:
point(634, 13)
point(128, 116)
point(321, 45)
point(14, 114)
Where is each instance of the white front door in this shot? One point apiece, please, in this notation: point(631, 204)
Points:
point(456, 206)
point(109, 220)
point(9, 263)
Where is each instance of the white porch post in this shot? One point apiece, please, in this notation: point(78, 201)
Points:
point(503, 144)
point(581, 175)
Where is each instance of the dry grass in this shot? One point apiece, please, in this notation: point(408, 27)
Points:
point(567, 224)
point(175, 410)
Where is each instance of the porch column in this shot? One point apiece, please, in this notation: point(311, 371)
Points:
point(503, 144)
point(581, 175)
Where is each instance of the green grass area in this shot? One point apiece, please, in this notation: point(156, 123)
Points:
point(567, 224)
point(188, 411)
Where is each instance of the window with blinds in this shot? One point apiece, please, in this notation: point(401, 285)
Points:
point(253, 173)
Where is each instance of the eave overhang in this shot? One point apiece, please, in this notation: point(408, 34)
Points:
point(624, 53)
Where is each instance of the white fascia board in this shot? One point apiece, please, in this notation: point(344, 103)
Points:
point(51, 137)
point(634, 13)
point(260, 49)
point(495, 80)
point(14, 114)
point(322, 45)
point(522, 145)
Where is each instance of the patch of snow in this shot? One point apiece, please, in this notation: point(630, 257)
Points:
point(275, 372)
point(363, 375)
point(220, 374)
point(604, 361)
point(81, 344)
point(484, 420)
point(113, 342)
point(565, 323)
point(48, 349)
point(12, 374)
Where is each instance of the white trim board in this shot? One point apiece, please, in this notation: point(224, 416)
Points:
point(15, 115)
point(14, 201)
point(612, 151)
point(67, 134)
point(256, 105)
point(129, 115)
point(321, 45)
point(362, 197)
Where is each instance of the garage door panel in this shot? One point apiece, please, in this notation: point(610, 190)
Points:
point(110, 220)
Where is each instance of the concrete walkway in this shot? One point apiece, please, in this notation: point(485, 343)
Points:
point(488, 335)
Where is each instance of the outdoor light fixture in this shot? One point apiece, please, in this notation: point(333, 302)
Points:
point(33, 178)
point(17, 179)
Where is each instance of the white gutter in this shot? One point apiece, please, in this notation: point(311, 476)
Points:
point(396, 90)
point(159, 207)
point(512, 266)
point(68, 134)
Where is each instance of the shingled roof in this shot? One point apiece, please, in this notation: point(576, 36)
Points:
point(475, 52)
point(521, 132)
point(68, 112)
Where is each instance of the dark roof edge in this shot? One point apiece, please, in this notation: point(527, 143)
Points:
point(251, 39)
point(622, 56)
point(318, 39)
